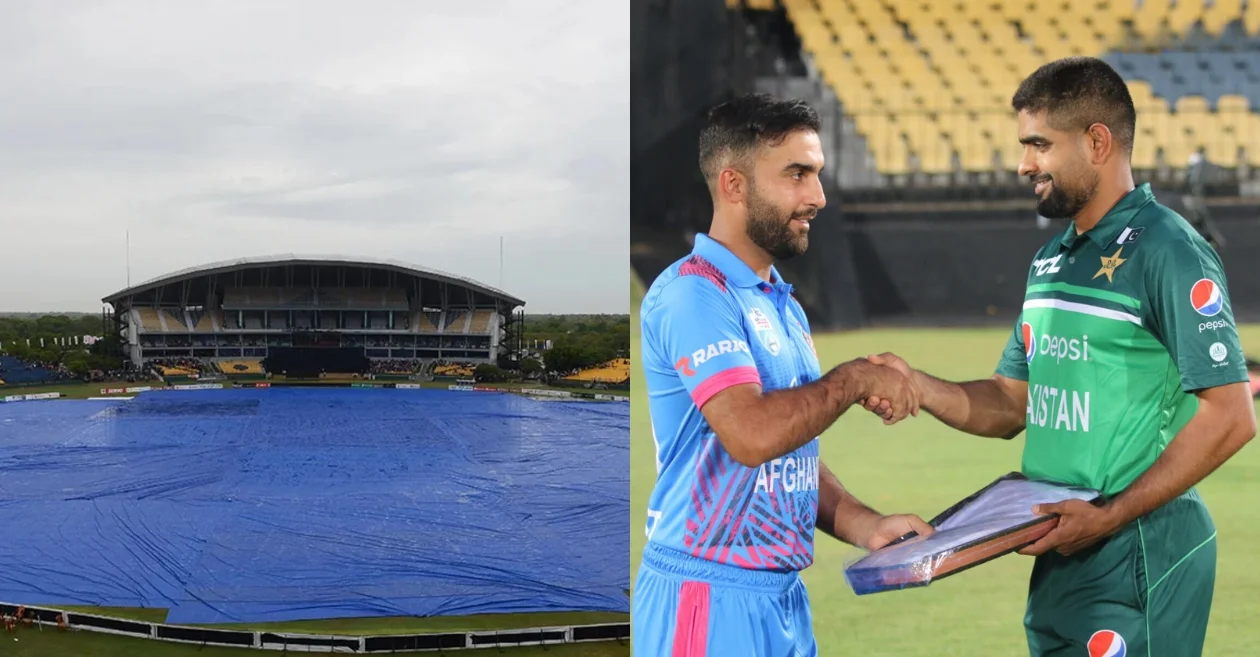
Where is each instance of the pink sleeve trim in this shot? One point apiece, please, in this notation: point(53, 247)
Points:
point(723, 380)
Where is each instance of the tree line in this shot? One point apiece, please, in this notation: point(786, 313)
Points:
point(579, 341)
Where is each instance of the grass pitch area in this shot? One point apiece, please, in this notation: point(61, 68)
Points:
point(920, 466)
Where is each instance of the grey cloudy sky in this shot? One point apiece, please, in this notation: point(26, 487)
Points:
point(417, 130)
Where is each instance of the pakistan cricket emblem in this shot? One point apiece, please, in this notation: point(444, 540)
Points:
point(1110, 264)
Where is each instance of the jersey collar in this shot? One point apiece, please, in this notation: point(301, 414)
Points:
point(737, 272)
point(1116, 219)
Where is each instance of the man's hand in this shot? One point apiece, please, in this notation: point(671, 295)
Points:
point(881, 406)
point(891, 387)
point(887, 529)
point(1081, 524)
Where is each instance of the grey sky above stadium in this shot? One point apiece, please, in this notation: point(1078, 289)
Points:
point(416, 131)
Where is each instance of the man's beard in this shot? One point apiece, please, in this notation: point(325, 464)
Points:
point(1063, 203)
point(770, 228)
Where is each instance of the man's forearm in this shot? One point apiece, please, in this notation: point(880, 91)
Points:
point(787, 419)
point(840, 514)
point(981, 408)
point(1206, 442)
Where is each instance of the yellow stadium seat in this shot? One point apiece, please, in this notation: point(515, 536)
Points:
point(977, 156)
point(1140, 91)
point(1220, 14)
point(1232, 103)
point(1251, 21)
point(1151, 18)
point(971, 55)
point(893, 158)
point(1145, 151)
point(1184, 15)
point(1117, 10)
point(1221, 148)
point(1193, 105)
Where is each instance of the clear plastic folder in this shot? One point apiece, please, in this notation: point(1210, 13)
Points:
point(996, 520)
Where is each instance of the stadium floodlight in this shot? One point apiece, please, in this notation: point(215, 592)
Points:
point(994, 521)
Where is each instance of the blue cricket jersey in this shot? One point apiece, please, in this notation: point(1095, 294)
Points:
point(710, 322)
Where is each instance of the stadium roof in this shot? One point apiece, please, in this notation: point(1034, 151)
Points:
point(324, 260)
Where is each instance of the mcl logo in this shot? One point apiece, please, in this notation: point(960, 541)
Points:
point(1047, 265)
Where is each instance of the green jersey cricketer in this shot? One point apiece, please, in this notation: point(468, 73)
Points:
point(1120, 325)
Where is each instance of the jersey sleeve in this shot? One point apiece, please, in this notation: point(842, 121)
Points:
point(1014, 361)
point(1190, 314)
point(697, 328)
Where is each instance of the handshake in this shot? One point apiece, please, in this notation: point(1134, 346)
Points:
point(888, 385)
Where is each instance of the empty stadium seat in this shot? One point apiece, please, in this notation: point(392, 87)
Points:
point(242, 366)
point(614, 372)
point(480, 323)
point(928, 84)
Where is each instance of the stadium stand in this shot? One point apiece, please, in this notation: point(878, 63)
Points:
point(454, 369)
point(202, 321)
point(424, 322)
point(171, 320)
point(928, 84)
point(150, 320)
point(179, 367)
point(241, 366)
point(18, 372)
point(616, 371)
point(480, 323)
point(257, 308)
point(454, 321)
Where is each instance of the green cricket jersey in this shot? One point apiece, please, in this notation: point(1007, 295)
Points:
point(1120, 326)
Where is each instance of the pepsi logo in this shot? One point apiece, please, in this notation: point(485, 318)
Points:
point(1106, 643)
point(1030, 342)
point(1206, 297)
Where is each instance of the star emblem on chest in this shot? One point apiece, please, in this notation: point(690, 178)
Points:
point(1110, 264)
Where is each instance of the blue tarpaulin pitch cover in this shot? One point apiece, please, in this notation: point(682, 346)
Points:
point(294, 504)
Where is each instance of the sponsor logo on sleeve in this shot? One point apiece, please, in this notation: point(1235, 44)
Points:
point(1206, 297)
point(1107, 643)
point(687, 364)
point(1214, 325)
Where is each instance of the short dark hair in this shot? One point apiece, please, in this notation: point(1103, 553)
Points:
point(1077, 92)
point(737, 127)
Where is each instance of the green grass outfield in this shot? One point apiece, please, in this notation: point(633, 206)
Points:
point(920, 466)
